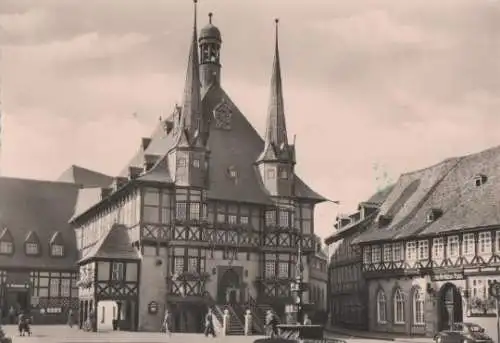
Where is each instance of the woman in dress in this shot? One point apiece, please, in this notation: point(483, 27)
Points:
point(166, 323)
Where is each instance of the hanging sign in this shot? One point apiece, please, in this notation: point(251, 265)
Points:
point(153, 307)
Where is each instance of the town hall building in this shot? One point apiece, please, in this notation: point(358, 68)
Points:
point(206, 214)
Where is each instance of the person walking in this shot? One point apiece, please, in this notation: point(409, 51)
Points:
point(307, 320)
point(166, 323)
point(209, 324)
point(71, 318)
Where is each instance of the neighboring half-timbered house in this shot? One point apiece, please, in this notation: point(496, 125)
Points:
point(347, 291)
point(214, 211)
point(38, 274)
point(434, 246)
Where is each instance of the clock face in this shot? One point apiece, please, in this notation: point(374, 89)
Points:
point(222, 115)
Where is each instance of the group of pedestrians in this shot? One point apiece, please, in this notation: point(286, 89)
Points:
point(209, 324)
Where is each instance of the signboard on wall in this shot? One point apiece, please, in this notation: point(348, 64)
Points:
point(447, 276)
point(153, 307)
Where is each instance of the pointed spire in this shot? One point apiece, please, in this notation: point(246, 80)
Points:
point(276, 133)
point(191, 117)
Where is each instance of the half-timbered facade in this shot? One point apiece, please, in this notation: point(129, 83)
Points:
point(347, 290)
point(38, 274)
point(434, 247)
point(214, 212)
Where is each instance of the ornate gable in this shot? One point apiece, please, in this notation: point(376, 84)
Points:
point(223, 115)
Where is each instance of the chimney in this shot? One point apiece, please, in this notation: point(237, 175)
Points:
point(106, 192)
point(118, 182)
point(149, 162)
point(134, 172)
point(145, 143)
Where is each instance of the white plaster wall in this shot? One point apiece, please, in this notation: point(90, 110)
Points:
point(153, 287)
point(106, 310)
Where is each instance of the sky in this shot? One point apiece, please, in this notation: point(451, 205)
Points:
point(372, 88)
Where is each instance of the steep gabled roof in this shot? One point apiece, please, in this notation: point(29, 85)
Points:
point(6, 235)
point(236, 148)
point(116, 244)
point(85, 177)
point(40, 207)
point(57, 238)
point(448, 187)
point(376, 199)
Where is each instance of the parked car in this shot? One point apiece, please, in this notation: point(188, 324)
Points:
point(463, 333)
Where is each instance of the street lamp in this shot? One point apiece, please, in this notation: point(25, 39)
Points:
point(298, 285)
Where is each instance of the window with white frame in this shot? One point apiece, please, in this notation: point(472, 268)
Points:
point(178, 264)
point(54, 287)
point(193, 264)
point(232, 219)
point(411, 251)
point(180, 210)
point(56, 250)
point(453, 247)
point(194, 211)
point(399, 307)
point(423, 250)
point(221, 218)
point(387, 252)
point(270, 268)
point(381, 307)
point(479, 288)
point(6, 247)
point(31, 248)
point(376, 254)
point(367, 255)
point(397, 252)
point(244, 220)
point(497, 240)
point(484, 241)
point(65, 287)
point(283, 218)
point(117, 271)
point(438, 248)
point(283, 269)
point(418, 307)
point(468, 244)
point(270, 217)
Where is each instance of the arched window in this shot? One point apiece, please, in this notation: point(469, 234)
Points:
point(381, 307)
point(418, 307)
point(399, 307)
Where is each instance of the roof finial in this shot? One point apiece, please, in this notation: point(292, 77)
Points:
point(210, 17)
point(195, 12)
point(276, 21)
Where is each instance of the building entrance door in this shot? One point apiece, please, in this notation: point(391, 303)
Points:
point(229, 286)
point(450, 307)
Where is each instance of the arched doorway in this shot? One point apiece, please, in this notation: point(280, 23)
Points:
point(229, 287)
point(450, 306)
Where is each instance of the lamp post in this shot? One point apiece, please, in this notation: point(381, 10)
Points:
point(298, 285)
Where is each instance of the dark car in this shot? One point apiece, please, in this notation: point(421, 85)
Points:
point(463, 333)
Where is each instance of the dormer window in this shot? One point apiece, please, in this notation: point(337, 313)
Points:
point(6, 242)
point(283, 174)
point(480, 180)
point(271, 174)
point(32, 249)
point(196, 163)
point(433, 215)
point(6, 248)
point(384, 220)
point(56, 245)
point(57, 250)
point(32, 244)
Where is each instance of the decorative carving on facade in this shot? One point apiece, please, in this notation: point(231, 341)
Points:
point(222, 115)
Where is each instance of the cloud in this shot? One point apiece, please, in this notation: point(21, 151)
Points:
point(22, 24)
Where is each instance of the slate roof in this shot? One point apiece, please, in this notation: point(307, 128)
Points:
point(237, 148)
point(116, 244)
point(376, 199)
point(38, 209)
point(449, 187)
point(85, 177)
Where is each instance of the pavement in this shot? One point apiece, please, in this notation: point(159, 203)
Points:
point(65, 334)
point(368, 336)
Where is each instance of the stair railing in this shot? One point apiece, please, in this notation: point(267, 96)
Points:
point(233, 313)
point(258, 325)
